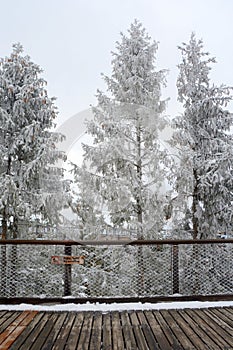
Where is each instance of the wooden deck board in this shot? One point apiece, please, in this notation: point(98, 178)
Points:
point(221, 327)
point(130, 342)
point(157, 330)
point(140, 339)
point(62, 338)
point(107, 332)
point(37, 336)
point(75, 332)
point(42, 341)
point(117, 334)
point(203, 336)
point(146, 329)
point(229, 315)
point(96, 333)
point(166, 329)
point(83, 343)
point(52, 336)
point(7, 319)
point(27, 332)
point(221, 315)
point(208, 327)
point(13, 331)
point(187, 329)
point(181, 336)
point(4, 315)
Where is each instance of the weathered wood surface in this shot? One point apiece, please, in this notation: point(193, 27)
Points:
point(144, 330)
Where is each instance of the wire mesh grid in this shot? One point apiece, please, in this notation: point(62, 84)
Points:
point(115, 271)
point(206, 269)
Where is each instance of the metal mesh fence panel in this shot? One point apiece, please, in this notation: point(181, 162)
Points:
point(206, 269)
point(26, 271)
point(122, 271)
point(38, 270)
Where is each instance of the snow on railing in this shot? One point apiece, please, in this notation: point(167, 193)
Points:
point(93, 269)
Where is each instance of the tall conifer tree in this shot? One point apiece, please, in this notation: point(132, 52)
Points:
point(204, 179)
point(30, 182)
point(126, 160)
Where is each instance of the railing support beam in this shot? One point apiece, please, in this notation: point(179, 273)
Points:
point(175, 270)
point(67, 273)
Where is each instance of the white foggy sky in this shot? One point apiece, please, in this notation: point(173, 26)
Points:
point(72, 39)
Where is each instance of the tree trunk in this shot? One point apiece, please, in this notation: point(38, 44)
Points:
point(4, 214)
point(140, 233)
point(4, 224)
point(196, 267)
point(195, 205)
point(15, 228)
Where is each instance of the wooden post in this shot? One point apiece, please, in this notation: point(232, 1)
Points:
point(175, 269)
point(68, 273)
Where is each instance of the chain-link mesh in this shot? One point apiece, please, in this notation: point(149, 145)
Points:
point(206, 269)
point(115, 271)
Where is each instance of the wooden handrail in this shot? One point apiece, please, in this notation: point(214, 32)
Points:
point(115, 242)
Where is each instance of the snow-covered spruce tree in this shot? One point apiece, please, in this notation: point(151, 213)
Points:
point(205, 145)
point(31, 186)
point(86, 205)
point(126, 161)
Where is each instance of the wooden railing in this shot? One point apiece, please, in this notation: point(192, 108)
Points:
point(106, 270)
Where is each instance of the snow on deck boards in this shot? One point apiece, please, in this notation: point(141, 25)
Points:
point(207, 328)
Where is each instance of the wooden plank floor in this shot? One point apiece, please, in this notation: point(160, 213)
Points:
point(164, 330)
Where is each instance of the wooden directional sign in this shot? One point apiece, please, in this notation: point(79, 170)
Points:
point(67, 260)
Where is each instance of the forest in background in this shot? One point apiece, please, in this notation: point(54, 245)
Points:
point(129, 182)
